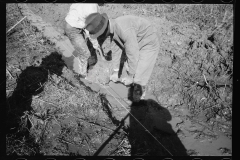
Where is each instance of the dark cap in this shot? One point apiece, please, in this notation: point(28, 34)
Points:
point(96, 24)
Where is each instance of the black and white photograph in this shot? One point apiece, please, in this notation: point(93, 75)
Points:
point(119, 79)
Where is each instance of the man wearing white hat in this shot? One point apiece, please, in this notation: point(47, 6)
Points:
point(79, 37)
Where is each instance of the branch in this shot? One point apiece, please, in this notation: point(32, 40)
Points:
point(221, 24)
point(16, 24)
point(225, 15)
point(9, 73)
point(96, 124)
point(205, 79)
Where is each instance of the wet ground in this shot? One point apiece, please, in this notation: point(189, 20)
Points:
point(162, 124)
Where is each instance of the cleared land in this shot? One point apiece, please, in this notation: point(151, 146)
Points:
point(53, 111)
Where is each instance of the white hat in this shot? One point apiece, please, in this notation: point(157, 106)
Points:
point(78, 13)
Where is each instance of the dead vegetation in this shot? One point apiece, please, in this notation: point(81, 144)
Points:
point(200, 67)
point(51, 112)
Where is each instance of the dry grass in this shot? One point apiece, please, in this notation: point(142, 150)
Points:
point(55, 114)
point(57, 117)
point(195, 63)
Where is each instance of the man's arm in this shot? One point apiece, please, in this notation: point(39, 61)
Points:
point(131, 49)
point(116, 56)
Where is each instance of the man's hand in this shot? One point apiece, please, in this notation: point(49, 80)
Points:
point(100, 53)
point(114, 77)
point(92, 60)
point(128, 80)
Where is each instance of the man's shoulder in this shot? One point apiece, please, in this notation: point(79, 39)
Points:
point(124, 22)
point(130, 19)
point(125, 17)
point(129, 16)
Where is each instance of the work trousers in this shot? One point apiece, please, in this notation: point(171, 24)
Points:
point(146, 62)
point(83, 46)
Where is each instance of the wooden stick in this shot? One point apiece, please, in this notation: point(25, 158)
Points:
point(205, 79)
point(9, 73)
point(96, 124)
point(16, 24)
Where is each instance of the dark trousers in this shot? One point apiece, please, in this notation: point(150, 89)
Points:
point(83, 46)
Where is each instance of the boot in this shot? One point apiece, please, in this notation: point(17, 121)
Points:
point(139, 92)
point(143, 92)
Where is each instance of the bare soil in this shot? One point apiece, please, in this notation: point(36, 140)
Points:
point(187, 110)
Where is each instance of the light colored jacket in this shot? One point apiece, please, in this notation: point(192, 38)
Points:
point(133, 34)
point(77, 15)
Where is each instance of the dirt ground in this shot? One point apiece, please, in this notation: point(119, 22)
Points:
point(187, 110)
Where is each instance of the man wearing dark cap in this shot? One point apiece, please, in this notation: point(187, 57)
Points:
point(136, 35)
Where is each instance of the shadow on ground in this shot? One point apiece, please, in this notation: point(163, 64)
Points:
point(148, 130)
point(145, 137)
point(30, 83)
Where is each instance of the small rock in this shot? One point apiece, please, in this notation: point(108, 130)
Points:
point(218, 117)
point(169, 33)
point(92, 112)
point(179, 43)
point(77, 139)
